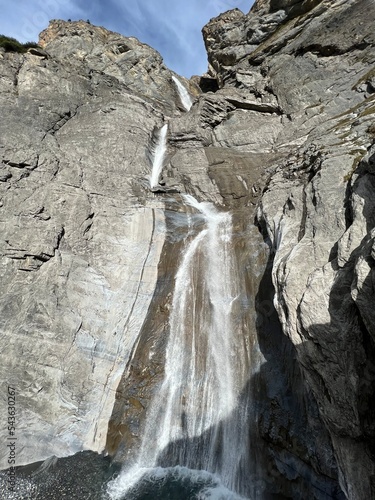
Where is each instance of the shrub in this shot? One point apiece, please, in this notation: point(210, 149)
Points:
point(12, 45)
point(30, 45)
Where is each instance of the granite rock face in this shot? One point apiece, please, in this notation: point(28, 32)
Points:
point(79, 247)
point(282, 134)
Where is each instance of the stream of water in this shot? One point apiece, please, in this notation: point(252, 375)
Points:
point(158, 157)
point(186, 100)
point(195, 429)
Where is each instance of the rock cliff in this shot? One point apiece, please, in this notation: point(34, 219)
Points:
point(282, 134)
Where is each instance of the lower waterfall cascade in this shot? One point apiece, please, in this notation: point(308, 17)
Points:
point(195, 424)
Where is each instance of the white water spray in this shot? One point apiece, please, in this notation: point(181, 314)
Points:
point(196, 418)
point(158, 158)
point(186, 100)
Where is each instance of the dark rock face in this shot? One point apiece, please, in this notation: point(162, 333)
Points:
point(282, 135)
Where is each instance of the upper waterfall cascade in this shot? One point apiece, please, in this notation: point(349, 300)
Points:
point(185, 97)
point(195, 419)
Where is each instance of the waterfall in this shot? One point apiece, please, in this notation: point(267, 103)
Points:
point(186, 100)
point(158, 158)
point(196, 421)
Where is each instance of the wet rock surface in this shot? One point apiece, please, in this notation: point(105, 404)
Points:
point(282, 135)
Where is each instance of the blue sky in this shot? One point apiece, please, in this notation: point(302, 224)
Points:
point(173, 27)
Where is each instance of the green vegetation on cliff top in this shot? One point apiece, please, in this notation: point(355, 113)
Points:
point(12, 45)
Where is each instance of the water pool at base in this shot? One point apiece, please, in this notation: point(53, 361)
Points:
point(87, 476)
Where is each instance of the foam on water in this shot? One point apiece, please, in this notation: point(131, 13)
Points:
point(158, 481)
